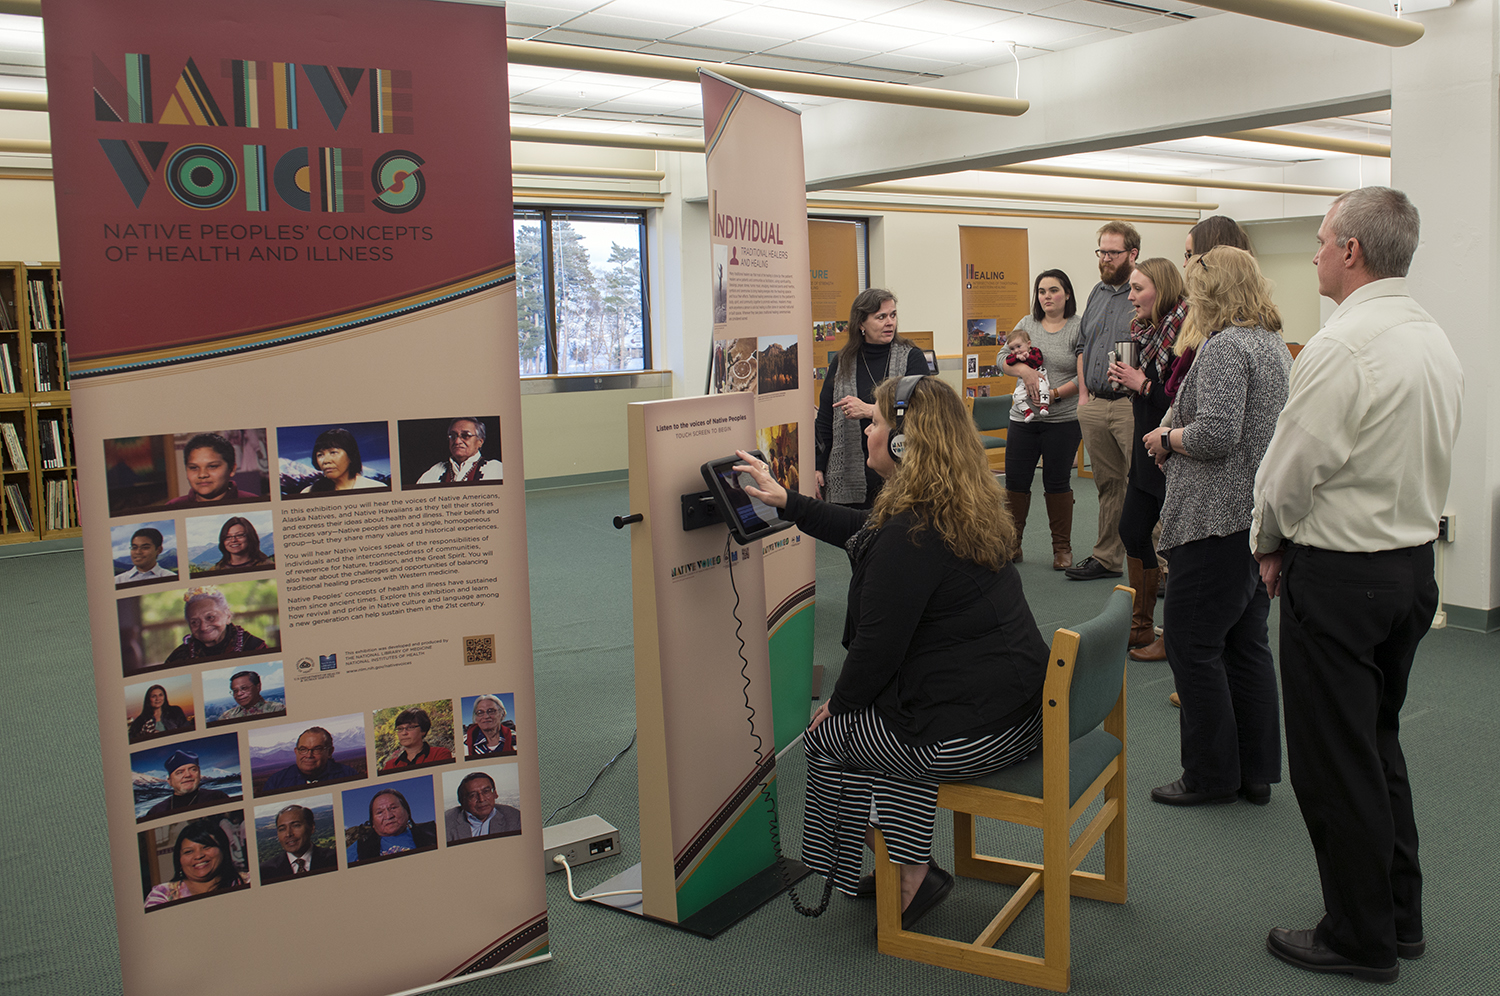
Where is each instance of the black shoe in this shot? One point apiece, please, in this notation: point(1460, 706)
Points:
point(1089, 569)
point(1178, 794)
point(1303, 949)
point(1256, 792)
point(933, 890)
point(1411, 950)
point(866, 888)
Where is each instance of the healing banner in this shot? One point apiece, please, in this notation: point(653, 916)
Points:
point(763, 341)
point(286, 230)
point(995, 289)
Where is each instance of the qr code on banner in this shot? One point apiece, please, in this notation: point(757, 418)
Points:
point(479, 649)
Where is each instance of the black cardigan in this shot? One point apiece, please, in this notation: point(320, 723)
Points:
point(941, 647)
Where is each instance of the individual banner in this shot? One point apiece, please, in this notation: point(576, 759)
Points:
point(996, 291)
point(702, 680)
point(833, 251)
point(763, 339)
point(286, 228)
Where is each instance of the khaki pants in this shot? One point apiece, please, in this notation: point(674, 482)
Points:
point(1108, 435)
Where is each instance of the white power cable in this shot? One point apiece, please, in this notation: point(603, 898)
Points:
point(562, 859)
point(1017, 61)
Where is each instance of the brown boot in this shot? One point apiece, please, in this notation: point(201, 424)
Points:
point(1142, 623)
point(1020, 507)
point(1060, 518)
point(1154, 651)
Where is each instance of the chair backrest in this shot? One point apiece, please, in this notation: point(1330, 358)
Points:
point(1100, 667)
point(992, 413)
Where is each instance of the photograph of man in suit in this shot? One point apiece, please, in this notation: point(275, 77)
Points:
point(294, 831)
point(477, 814)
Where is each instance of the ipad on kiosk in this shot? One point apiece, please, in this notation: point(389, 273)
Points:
point(749, 519)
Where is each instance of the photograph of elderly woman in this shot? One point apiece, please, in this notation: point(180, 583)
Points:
point(414, 736)
point(201, 468)
point(194, 860)
point(201, 623)
point(489, 725)
point(321, 460)
point(189, 774)
point(389, 820)
point(156, 709)
point(231, 544)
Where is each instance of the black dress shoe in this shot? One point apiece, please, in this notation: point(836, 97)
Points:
point(1411, 949)
point(1178, 794)
point(1303, 949)
point(933, 890)
point(1089, 569)
point(1256, 792)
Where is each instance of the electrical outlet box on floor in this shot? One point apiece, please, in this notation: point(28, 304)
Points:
point(580, 841)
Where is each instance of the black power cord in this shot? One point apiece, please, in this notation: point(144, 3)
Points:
point(594, 782)
point(760, 759)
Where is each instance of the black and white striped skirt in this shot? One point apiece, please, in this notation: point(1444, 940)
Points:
point(859, 772)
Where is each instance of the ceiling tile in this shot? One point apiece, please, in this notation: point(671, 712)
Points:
point(1089, 37)
point(784, 25)
point(704, 53)
point(853, 9)
point(716, 38)
point(563, 36)
point(769, 61)
point(890, 60)
point(1037, 32)
point(550, 14)
point(628, 27)
point(685, 15)
point(1098, 14)
point(818, 52)
point(870, 38)
point(944, 16)
point(956, 49)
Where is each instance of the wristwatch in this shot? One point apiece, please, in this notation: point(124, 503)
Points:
point(1166, 441)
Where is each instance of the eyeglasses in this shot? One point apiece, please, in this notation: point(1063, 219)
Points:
point(1111, 253)
point(483, 793)
point(465, 436)
point(304, 751)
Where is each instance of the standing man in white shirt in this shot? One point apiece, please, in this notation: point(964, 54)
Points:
point(1347, 503)
point(145, 547)
point(1105, 413)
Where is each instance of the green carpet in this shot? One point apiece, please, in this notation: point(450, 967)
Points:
point(1205, 884)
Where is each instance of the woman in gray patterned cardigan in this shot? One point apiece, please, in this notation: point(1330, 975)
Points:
point(1216, 607)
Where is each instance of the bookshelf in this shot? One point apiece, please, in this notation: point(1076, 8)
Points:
point(38, 472)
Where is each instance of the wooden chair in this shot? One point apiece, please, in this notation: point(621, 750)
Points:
point(1082, 756)
point(992, 416)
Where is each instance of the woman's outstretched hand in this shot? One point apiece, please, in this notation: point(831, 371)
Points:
point(765, 487)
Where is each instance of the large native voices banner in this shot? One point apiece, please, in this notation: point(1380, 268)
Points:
point(763, 340)
point(286, 233)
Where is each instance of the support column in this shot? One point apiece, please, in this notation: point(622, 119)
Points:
point(1445, 154)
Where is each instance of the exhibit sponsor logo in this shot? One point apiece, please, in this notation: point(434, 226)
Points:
point(785, 543)
point(328, 662)
point(305, 665)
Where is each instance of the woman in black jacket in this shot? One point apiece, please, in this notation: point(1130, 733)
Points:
point(943, 680)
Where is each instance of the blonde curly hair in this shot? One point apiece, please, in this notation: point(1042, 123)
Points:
point(944, 478)
point(1225, 287)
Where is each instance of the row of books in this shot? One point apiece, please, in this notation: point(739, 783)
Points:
point(51, 366)
point(43, 315)
point(9, 381)
point(62, 503)
point(51, 435)
point(18, 510)
point(6, 321)
point(13, 446)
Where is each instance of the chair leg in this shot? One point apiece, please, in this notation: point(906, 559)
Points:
point(887, 890)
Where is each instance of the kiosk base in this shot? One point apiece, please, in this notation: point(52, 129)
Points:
point(719, 915)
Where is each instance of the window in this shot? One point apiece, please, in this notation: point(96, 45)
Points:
point(581, 291)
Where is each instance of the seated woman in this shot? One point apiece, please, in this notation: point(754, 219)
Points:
point(491, 732)
point(157, 716)
point(239, 546)
point(390, 830)
point(336, 454)
point(210, 463)
point(201, 864)
point(212, 631)
point(412, 727)
point(944, 675)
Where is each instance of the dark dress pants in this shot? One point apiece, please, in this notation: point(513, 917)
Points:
point(1214, 625)
point(1350, 626)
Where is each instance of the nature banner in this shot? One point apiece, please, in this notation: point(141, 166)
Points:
point(763, 343)
point(286, 241)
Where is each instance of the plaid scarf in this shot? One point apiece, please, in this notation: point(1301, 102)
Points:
point(1156, 340)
